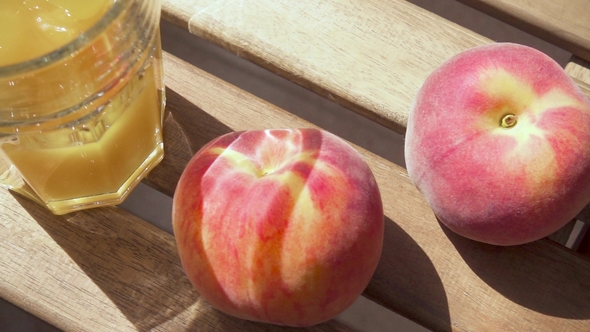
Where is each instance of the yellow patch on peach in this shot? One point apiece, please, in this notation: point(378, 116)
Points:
point(294, 266)
point(534, 168)
point(555, 99)
point(516, 96)
point(513, 94)
point(238, 161)
point(499, 82)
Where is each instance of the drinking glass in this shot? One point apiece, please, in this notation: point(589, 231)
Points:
point(80, 114)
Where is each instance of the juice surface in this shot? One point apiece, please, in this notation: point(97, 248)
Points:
point(32, 28)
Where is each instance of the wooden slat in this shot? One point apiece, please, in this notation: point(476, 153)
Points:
point(426, 273)
point(97, 270)
point(564, 23)
point(563, 234)
point(101, 270)
point(370, 56)
point(579, 69)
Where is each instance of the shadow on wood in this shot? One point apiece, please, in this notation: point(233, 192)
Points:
point(225, 323)
point(415, 288)
point(187, 128)
point(555, 287)
point(134, 263)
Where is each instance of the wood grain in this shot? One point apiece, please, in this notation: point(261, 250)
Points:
point(370, 56)
point(579, 70)
point(563, 23)
point(426, 273)
point(102, 270)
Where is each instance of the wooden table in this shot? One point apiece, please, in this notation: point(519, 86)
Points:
point(108, 270)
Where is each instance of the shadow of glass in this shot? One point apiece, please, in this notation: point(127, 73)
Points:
point(135, 266)
point(187, 128)
point(530, 274)
point(407, 282)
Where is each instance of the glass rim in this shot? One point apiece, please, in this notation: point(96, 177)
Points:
point(75, 45)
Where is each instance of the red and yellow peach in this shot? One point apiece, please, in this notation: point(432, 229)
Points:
point(498, 142)
point(279, 226)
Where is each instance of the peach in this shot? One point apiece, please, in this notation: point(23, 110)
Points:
point(498, 143)
point(279, 226)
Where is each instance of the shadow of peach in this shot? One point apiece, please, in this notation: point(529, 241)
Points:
point(530, 274)
point(221, 322)
point(412, 285)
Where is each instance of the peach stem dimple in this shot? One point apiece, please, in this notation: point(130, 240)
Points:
point(508, 121)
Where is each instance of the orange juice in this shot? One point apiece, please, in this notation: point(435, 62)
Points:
point(35, 27)
point(81, 99)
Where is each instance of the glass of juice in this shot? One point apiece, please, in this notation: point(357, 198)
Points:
point(81, 99)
